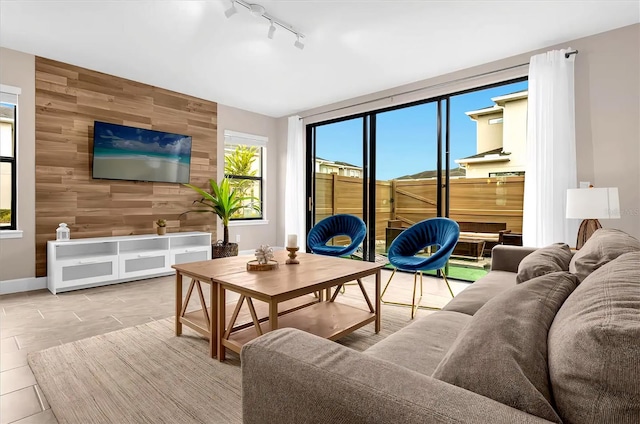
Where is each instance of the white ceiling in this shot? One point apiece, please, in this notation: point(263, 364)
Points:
point(352, 47)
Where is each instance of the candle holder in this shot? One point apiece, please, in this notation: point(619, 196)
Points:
point(292, 256)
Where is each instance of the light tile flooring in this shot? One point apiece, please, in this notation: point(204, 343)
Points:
point(37, 320)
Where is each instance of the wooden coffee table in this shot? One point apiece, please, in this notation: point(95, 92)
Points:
point(274, 299)
point(205, 320)
point(315, 273)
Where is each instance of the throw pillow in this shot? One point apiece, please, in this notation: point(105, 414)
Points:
point(603, 246)
point(594, 347)
point(553, 258)
point(502, 352)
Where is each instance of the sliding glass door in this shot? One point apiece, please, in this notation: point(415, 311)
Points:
point(338, 172)
point(459, 155)
point(407, 189)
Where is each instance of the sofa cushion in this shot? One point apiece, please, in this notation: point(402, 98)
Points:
point(594, 347)
point(553, 258)
point(421, 345)
point(603, 246)
point(475, 296)
point(502, 352)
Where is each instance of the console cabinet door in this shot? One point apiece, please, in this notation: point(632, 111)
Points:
point(191, 254)
point(144, 264)
point(78, 272)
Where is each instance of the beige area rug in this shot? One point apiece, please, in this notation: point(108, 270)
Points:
point(145, 374)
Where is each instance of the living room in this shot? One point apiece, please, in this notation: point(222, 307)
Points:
point(64, 87)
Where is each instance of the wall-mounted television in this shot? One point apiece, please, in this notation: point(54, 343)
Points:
point(129, 153)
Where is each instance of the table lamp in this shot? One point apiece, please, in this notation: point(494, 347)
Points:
point(591, 204)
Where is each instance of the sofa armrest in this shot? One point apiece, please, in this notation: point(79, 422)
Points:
point(507, 258)
point(289, 376)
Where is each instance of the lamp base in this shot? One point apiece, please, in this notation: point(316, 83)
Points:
point(586, 230)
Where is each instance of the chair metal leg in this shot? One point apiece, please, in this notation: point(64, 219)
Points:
point(387, 285)
point(444, 277)
point(415, 305)
point(413, 298)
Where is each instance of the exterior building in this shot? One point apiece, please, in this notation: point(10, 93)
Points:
point(344, 169)
point(6, 146)
point(501, 138)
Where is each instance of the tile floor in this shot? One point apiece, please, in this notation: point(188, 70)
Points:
point(36, 320)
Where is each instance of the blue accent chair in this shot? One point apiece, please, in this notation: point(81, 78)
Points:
point(440, 232)
point(333, 226)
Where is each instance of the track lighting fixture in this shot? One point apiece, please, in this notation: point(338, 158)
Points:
point(231, 10)
point(260, 12)
point(272, 30)
point(257, 10)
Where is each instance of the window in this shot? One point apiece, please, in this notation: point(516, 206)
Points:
point(8, 138)
point(244, 164)
point(496, 121)
point(506, 174)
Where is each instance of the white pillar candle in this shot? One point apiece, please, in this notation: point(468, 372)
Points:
point(292, 240)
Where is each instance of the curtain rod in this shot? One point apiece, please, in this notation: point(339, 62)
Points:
point(415, 90)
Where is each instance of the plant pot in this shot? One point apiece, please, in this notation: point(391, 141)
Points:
point(221, 250)
point(162, 231)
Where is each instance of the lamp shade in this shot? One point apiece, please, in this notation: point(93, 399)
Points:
point(593, 203)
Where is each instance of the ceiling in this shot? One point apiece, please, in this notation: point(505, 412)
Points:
point(352, 47)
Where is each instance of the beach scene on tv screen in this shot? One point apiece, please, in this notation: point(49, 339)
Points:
point(128, 153)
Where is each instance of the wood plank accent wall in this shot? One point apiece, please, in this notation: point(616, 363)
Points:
point(68, 101)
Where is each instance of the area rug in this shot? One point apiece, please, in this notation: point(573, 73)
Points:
point(145, 374)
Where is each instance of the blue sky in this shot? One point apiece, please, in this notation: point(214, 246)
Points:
point(138, 140)
point(407, 137)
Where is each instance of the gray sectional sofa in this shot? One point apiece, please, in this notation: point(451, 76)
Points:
point(546, 336)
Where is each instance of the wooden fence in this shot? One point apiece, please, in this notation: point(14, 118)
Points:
point(496, 199)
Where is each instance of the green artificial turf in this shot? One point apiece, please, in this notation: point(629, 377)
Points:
point(462, 273)
point(455, 271)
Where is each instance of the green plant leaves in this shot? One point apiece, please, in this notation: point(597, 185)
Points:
point(222, 201)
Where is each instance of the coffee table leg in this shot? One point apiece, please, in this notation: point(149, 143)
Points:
point(273, 315)
point(221, 321)
point(213, 320)
point(178, 303)
point(378, 312)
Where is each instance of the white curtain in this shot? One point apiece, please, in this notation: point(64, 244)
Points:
point(551, 150)
point(294, 192)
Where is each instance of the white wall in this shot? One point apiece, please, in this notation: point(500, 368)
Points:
point(230, 118)
point(18, 255)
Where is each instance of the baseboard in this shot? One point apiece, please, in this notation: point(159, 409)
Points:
point(22, 285)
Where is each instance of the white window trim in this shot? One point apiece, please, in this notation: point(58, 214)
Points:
point(248, 222)
point(10, 234)
point(235, 138)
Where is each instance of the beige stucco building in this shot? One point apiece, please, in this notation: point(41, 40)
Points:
point(344, 169)
point(501, 137)
point(6, 143)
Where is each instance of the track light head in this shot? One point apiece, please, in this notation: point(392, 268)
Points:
point(257, 10)
point(231, 11)
point(260, 12)
point(272, 30)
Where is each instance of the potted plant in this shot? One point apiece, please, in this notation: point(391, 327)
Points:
point(162, 227)
point(223, 201)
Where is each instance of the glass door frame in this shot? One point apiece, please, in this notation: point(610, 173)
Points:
point(369, 159)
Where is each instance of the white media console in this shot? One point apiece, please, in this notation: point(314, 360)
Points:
point(89, 262)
